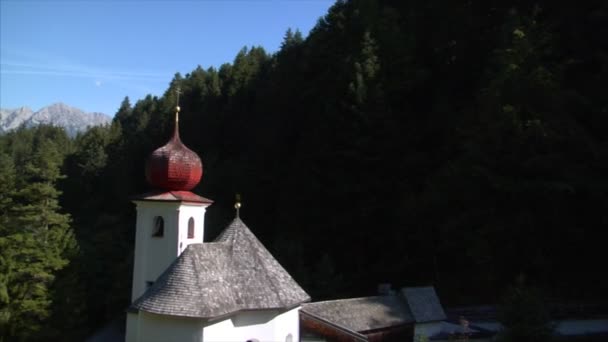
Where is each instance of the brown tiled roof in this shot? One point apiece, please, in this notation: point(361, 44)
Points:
point(362, 314)
point(413, 305)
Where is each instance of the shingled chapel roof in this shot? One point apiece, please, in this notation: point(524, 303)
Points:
point(233, 273)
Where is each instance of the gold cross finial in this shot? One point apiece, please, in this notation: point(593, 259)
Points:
point(177, 91)
point(237, 205)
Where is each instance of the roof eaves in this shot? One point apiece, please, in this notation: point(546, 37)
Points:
point(171, 196)
point(379, 329)
point(218, 317)
point(358, 336)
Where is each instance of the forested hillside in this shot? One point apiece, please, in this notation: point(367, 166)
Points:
point(454, 143)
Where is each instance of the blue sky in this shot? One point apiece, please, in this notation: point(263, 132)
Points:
point(92, 53)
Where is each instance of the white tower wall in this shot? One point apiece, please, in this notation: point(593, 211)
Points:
point(154, 254)
point(260, 325)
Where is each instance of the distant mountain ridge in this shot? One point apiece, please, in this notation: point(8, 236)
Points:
point(72, 119)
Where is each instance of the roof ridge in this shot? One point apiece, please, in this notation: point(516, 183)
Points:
point(225, 235)
point(259, 261)
point(272, 281)
point(353, 298)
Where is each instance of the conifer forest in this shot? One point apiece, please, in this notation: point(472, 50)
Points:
point(460, 144)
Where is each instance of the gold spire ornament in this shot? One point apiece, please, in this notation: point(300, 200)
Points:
point(178, 91)
point(237, 205)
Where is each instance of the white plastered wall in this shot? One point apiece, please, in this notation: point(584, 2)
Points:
point(261, 325)
point(154, 254)
point(131, 333)
point(161, 328)
point(197, 213)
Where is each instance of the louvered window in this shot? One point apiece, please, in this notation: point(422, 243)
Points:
point(191, 228)
point(159, 227)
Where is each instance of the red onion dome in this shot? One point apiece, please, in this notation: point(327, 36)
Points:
point(174, 167)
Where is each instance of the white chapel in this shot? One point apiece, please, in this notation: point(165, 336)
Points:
point(231, 289)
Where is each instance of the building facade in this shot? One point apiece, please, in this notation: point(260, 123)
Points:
point(184, 289)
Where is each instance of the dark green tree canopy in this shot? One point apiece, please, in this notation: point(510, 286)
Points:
point(458, 144)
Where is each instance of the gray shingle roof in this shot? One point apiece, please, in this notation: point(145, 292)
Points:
point(415, 305)
point(233, 273)
point(424, 304)
point(362, 314)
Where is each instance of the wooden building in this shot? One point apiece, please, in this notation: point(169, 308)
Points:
point(401, 317)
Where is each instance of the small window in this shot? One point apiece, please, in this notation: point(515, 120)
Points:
point(191, 228)
point(159, 227)
point(149, 284)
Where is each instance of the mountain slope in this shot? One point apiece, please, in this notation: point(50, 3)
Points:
point(72, 119)
point(13, 118)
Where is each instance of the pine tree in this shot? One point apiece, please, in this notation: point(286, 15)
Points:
point(124, 111)
point(38, 240)
point(524, 315)
point(365, 83)
point(7, 190)
point(291, 40)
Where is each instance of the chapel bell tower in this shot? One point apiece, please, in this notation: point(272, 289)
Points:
point(170, 217)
